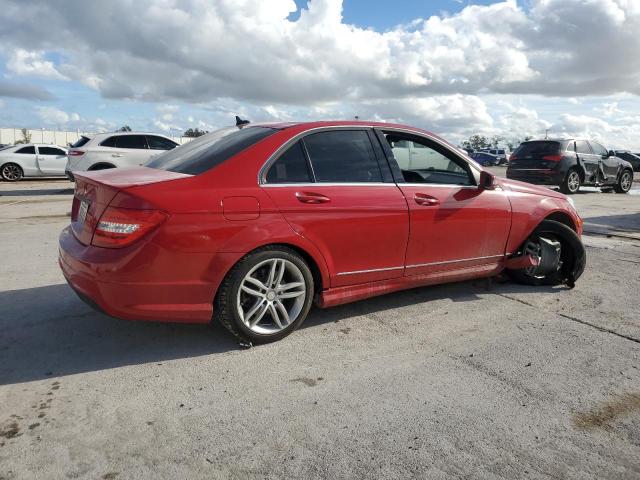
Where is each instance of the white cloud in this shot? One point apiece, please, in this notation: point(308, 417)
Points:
point(32, 63)
point(52, 115)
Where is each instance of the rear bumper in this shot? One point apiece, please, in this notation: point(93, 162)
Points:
point(536, 176)
point(94, 273)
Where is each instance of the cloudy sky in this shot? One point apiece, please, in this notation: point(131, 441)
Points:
point(456, 67)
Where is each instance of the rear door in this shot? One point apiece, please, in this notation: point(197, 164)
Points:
point(454, 224)
point(331, 189)
point(52, 160)
point(26, 158)
point(587, 159)
point(131, 150)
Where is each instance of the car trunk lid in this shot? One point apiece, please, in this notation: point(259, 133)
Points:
point(95, 190)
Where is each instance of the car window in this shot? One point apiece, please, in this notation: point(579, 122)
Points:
point(290, 167)
point(432, 163)
point(160, 143)
point(137, 142)
point(27, 150)
point(582, 147)
point(342, 156)
point(50, 151)
point(571, 146)
point(209, 150)
point(109, 142)
point(80, 142)
point(598, 149)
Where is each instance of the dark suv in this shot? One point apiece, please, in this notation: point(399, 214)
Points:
point(569, 163)
point(632, 158)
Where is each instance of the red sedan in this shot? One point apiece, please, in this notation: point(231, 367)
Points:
point(252, 224)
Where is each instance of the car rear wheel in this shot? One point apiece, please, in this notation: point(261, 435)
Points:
point(11, 172)
point(559, 252)
point(571, 183)
point(624, 182)
point(266, 296)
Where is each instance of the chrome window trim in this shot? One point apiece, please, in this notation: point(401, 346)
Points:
point(330, 184)
point(454, 261)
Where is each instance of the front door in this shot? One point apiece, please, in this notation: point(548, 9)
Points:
point(329, 187)
point(52, 160)
point(588, 160)
point(454, 224)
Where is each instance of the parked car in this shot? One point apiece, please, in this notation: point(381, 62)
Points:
point(119, 149)
point(570, 163)
point(502, 154)
point(485, 159)
point(32, 160)
point(249, 226)
point(632, 158)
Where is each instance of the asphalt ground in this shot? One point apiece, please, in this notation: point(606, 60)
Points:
point(476, 379)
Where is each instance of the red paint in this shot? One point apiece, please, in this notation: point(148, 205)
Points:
point(386, 233)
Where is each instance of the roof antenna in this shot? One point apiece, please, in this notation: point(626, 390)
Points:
point(240, 122)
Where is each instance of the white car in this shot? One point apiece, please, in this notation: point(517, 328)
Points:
point(118, 149)
point(32, 160)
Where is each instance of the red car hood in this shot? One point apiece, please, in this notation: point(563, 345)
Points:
point(522, 187)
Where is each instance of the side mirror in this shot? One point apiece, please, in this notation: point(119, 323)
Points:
point(612, 153)
point(487, 181)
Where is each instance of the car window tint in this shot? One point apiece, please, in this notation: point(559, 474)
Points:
point(50, 151)
point(27, 150)
point(571, 146)
point(290, 167)
point(131, 141)
point(210, 150)
point(109, 142)
point(430, 163)
point(582, 147)
point(342, 156)
point(80, 142)
point(160, 143)
point(598, 149)
point(537, 148)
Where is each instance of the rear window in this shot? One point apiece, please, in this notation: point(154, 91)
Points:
point(534, 149)
point(80, 142)
point(210, 150)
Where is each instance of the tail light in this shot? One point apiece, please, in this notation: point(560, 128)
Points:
point(552, 158)
point(75, 153)
point(119, 227)
point(512, 158)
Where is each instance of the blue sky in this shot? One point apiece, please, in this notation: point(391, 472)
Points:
point(509, 68)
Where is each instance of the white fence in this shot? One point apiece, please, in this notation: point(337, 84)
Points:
point(54, 137)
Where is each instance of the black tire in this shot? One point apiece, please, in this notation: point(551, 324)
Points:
point(225, 305)
point(568, 186)
point(572, 255)
point(11, 172)
point(625, 181)
point(101, 166)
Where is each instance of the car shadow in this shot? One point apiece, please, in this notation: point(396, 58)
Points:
point(35, 192)
point(47, 332)
point(629, 222)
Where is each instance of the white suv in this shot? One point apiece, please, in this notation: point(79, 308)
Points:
point(119, 149)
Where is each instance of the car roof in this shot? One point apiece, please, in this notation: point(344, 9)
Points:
point(119, 134)
point(38, 145)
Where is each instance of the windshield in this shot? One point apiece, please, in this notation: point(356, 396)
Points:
point(207, 151)
point(528, 149)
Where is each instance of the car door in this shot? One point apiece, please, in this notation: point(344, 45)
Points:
point(331, 189)
point(27, 159)
point(454, 225)
point(609, 164)
point(131, 150)
point(52, 160)
point(587, 159)
point(158, 145)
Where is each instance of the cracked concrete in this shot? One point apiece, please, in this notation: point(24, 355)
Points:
point(441, 382)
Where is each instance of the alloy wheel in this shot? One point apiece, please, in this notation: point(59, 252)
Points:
point(11, 172)
point(271, 296)
point(573, 182)
point(625, 181)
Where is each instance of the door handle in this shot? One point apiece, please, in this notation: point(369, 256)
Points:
point(426, 200)
point(310, 197)
point(116, 155)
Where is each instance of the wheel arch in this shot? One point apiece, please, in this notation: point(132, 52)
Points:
point(11, 162)
point(101, 166)
point(560, 217)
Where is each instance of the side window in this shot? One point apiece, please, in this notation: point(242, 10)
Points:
point(571, 146)
point(50, 151)
point(342, 156)
point(28, 150)
point(159, 143)
point(582, 147)
point(109, 142)
point(598, 149)
point(131, 141)
point(430, 163)
point(290, 167)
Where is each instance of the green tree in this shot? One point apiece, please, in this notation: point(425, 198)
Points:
point(26, 137)
point(476, 142)
point(193, 133)
point(124, 128)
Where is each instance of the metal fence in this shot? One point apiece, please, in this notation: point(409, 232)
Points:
point(54, 137)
